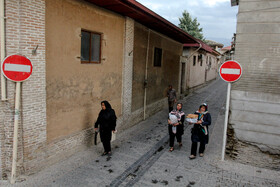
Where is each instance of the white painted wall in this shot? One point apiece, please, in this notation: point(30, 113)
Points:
point(212, 69)
point(196, 72)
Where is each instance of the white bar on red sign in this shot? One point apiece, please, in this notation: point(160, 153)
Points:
point(230, 71)
point(17, 67)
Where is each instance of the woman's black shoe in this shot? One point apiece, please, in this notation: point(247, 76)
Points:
point(103, 154)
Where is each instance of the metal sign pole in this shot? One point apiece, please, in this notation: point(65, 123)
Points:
point(15, 141)
point(226, 122)
point(16, 68)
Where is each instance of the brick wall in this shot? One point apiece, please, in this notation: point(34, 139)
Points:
point(25, 29)
point(128, 68)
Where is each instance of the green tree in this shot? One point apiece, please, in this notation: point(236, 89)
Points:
point(190, 25)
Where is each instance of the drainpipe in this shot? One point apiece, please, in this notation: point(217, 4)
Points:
point(146, 76)
point(188, 57)
point(195, 51)
point(3, 52)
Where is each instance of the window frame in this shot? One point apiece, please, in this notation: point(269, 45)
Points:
point(200, 59)
point(155, 48)
point(90, 48)
point(194, 60)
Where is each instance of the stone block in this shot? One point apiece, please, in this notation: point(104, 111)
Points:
point(255, 96)
point(256, 127)
point(258, 17)
point(256, 117)
point(263, 6)
point(256, 39)
point(260, 28)
point(255, 106)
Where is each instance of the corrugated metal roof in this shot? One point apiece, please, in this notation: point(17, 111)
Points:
point(145, 16)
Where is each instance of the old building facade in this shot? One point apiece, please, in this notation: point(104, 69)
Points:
point(79, 60)
point(200, 64)
point(255, 99)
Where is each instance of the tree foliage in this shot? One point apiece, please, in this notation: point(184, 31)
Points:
point(190, 25)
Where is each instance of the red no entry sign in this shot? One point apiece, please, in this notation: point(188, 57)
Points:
point(230, 71)
point(17, 68)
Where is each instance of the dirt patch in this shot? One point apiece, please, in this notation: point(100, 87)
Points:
point(249, 154)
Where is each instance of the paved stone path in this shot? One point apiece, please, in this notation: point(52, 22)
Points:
point(141, 158)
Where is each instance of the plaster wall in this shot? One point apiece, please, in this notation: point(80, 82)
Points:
point(75, 89)
point(196, 72)
point(200, 73)
point(158, 78)
point(212, 71)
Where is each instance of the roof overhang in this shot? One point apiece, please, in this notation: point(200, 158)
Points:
point(145, 16)
point(197, 45)
point(216, 53)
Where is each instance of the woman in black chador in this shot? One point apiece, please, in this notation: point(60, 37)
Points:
point(176, 126)
point(107, 121)
point(200, 131)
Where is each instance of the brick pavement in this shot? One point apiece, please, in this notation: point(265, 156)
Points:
point(141, 158)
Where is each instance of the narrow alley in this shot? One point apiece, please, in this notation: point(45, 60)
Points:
point(141, 158)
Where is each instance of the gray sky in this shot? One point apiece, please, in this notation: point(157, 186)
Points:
point(216, 17)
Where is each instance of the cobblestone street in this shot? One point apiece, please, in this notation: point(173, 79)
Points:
point(141, 158)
